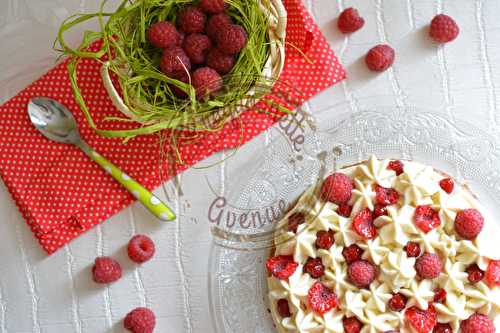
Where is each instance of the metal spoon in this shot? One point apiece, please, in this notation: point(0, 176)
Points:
point(57, 123)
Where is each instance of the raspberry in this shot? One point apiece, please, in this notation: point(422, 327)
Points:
point(350, 21)
point(492, 275)
point(222, 63)
point(361, 273)
point(426, 218)
point(443, 29)
point(469, 223)
point(183, 77)
point(321, 298)
point(213, 6)
point(337, 188)
point(477, 323)
point(324, 239)
point(352, 253)
point(283, 308)
point(380, 57)
point(344, 210)
point(140, 320)
point(439, 295)
point(182, 37)
point(231, 39)
point(363, 224)
point(428, 266)
point(217, 23)
point(423, 321)
point(140, 248)
point(379, 210)
point(475, 273)
point(106, 270)
point(352, 325)
point(174, 62)
point(163, 35)
point(442, 328)
point(281, 267)
point(412, 249)
point(196, 47)
point(206, 81)
point(314, 267)
point(294, 220)
point(386, 196)
point(398, 302)
point(447, 185)
point(396, 166)
point(191, 20)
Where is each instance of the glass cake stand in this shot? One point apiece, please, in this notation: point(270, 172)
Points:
point(337, 137)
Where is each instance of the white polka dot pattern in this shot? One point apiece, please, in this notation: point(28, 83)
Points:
point(62, 194)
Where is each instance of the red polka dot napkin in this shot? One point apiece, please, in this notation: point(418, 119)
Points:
point(61, 193)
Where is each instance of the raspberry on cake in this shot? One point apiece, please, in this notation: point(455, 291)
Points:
point(361, 273)
point(395, 260)
point(428, 266)
point(469, 223)
point(295, 220)
point(337, 188)
point(363, 224)
point(321, 298)
point(398, 302)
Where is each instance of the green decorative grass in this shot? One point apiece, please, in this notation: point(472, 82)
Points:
point(145, 89)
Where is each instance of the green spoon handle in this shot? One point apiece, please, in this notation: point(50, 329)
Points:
point(150, 201)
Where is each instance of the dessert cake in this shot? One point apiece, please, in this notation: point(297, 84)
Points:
point(386, 246)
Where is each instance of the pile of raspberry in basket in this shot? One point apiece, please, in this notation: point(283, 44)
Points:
point(202, 47)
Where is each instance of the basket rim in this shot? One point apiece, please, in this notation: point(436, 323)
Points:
point(277, 14)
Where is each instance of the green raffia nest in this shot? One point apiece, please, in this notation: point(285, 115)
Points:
point(146, 95)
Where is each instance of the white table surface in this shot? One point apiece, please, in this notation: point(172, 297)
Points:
point(56, 294)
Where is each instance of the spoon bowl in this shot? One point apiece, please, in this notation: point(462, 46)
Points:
point(53, 120)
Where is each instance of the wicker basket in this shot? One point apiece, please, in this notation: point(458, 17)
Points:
point(277, 15)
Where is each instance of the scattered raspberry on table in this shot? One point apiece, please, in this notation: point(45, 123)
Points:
point(380, 57)
point(350, 21)
point(443, 29)
point(106, 270)
point(140, 320)
point(141, 248)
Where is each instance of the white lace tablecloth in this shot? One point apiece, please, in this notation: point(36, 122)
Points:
point(56, 294)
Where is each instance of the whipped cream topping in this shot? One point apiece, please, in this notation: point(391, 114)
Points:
point(417, 185)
